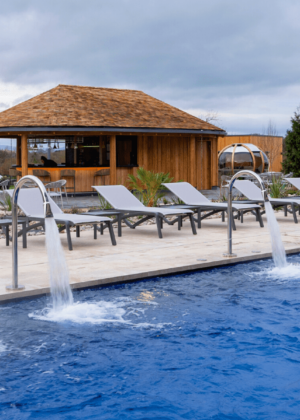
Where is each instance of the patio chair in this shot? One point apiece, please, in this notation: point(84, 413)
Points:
point(121, 199)
point(55, 190)
point(31, 203)
point(193, 199)
point(4, 185)
point(253, 193)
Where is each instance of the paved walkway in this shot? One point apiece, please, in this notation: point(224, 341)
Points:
point(141, 254)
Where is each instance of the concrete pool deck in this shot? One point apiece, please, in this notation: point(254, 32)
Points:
point(140, 254)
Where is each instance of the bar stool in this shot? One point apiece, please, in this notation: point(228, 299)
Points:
point(42, 174)
point(14, 173)
point(102, 173)
point(68, 173)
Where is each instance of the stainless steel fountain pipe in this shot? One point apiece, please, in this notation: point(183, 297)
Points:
point(47, 213)
point(229, 212)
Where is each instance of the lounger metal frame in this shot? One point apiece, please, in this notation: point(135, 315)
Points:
point(62, 219)
point(275, 202)
point(211, 207)
point(160, 216)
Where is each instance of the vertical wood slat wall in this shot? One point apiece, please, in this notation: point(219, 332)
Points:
point(179, 155)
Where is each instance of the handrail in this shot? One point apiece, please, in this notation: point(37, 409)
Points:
point(229, 209)
point(47, 213)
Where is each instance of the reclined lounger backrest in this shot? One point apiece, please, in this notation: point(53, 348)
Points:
point(187, 193)
point(249, 190)
point(31, 203)
point(119, 197)
point(294, 181)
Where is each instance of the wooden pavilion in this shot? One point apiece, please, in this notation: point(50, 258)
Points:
point(114, 129)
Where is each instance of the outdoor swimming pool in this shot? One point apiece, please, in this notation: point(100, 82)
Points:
point(221, 344)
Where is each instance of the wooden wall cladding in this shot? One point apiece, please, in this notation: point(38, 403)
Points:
point(174, 154)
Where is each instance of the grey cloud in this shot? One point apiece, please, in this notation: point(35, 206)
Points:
point(4, 105)
point(191, 53)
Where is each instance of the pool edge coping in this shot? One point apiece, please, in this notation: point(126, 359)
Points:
point(130, 278)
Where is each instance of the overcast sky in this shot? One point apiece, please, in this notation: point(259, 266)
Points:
point(236, 58)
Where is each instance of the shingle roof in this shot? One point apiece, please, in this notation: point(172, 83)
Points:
point(78, 106)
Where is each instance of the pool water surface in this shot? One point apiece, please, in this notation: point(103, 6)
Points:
point(216, 344)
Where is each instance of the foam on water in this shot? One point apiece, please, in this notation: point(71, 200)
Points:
point(278, 251)
point(59, 276)
point(288, 272)
point(122, 311)
point(83, 312)
point(2, 347)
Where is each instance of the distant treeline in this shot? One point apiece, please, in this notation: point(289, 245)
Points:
point(7, 158)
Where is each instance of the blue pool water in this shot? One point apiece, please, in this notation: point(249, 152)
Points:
point(216, 344)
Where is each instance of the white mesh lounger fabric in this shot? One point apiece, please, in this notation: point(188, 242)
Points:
point(294, 181)
point(31, 203)
point(120, 198)
point(251, 191)
point(192, 197)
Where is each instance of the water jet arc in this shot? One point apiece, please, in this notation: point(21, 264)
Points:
point(47, 213)
point(229, 214)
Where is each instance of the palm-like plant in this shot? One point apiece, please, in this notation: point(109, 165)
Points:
point(277, 188)
point(6, 204)
point(149, 185)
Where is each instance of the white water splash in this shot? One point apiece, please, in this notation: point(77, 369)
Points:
point(122, 311)
point(59, 276)
point(278, 251)
point(81, 313)
point(288, 272)
point(2, 347)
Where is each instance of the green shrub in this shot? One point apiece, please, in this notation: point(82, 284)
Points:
point(277, 189)
point(149, 185)
point(104, 205)
point(6, 202)
point(291, 162)
point(75, 210)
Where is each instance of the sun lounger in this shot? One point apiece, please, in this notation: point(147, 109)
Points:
point(31, 203)
point(197, 201)
point(5, 223)
point(253, 193)
point(121, 199)
point(294, 181)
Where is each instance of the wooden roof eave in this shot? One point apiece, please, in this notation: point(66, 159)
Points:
point(59, 129)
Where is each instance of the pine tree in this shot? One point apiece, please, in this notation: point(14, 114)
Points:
point(291, 161)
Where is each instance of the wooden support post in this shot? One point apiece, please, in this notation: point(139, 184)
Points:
point(24, 154)
point(18, 157)
point(214, 161)
point(192, 161)
point(113, 160)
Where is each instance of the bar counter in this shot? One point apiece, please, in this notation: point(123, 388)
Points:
point(84, 177)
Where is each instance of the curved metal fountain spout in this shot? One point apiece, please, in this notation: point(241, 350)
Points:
point(47, 213)
point(229, 212)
